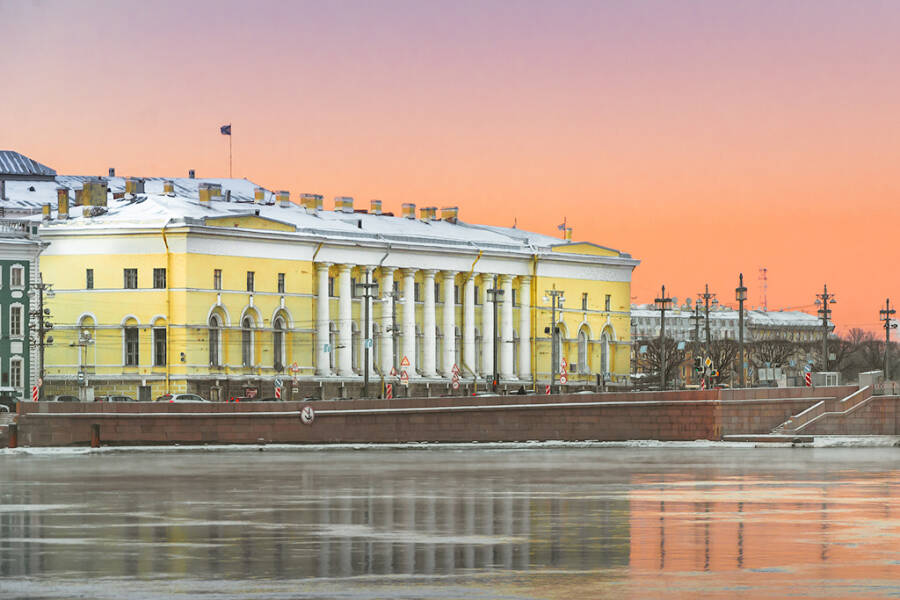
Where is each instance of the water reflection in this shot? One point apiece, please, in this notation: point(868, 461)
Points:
point(557, 523)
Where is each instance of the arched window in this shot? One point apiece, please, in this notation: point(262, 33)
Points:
point(604, 353)
point(247, 341)
point(278, 343)
point(583, 366)
point(215, 341)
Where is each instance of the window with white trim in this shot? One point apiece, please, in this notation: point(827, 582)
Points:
point(17, 276)
point(15, 372)
point(16, 322)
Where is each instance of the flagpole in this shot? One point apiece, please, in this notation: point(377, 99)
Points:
point(229, 154)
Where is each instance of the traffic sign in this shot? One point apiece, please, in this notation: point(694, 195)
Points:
point(393, 372)
point(807, 368)
point(278, 382)
point(295, 368)
point(326, 348)
point(547, 390)
point(404, 378)
point(34, 393)
point(708, 362)
point(307, 415)
point(404, 362)
point(368, 342)
point(564, 363)
point(278, 393)
point(808, 378)
point(455, 384)
point(389, 391)
point(563, 379)
point(455, 369)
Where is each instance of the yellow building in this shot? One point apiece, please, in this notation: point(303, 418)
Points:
point(176, 286)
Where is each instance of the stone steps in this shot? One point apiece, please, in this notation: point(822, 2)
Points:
point(824, 409)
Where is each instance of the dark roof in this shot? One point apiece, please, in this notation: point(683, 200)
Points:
point(13, 163)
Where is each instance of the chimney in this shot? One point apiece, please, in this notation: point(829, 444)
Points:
point(45, 211)
point(191, 174)
point(428, 213)
point(204, 192)
point(134, 185)
point(62, 203)
point(450, 213)
point(2, 189)
point(215, 191)
point(343, 204)
point(284, 198)
point(311, 201)
point(112, 171)
point(93, 192)
point(408, 210)
point(259, 195)
point(169, 188)
point(376, 207)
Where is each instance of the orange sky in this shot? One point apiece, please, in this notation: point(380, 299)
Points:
point(702, 137)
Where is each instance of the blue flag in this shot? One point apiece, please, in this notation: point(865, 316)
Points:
point(225, 129)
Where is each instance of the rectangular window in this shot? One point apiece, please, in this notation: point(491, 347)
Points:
point(15, 321)
point(456, 294)
point(15, 372)
point(131, 279)
point(281, 283)
point(250, 276)
point(89, 279)
point(159, 279)
point(132, 355)
point(584, 301)
point(159, 347)
point(217, 279)
point(477, 295)
point(607, 301)
point(17, 277)
point(417, 292)
point(331, 287)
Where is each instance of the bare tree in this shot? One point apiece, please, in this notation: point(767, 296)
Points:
point(724, 354)
point(772, 353)
point(650, 361)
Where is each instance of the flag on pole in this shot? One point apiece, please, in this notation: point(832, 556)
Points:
point(225, 129)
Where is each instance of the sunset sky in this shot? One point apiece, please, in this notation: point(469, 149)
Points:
point(703, 137)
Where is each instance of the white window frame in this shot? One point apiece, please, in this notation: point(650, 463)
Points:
point(21, 363)
point(17, 268)
point(21, 332)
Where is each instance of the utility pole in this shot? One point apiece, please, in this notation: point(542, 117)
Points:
point(740, 294)
point(368, 289)
point(824, 299)
point(707, 297)
point(662, 303)
point(696, 318)
point(43, 325)
point(494, 292)
point(556, 299)
point(886, 314)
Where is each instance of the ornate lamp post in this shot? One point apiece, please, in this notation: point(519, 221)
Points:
point(740, 294)
point(662, 303)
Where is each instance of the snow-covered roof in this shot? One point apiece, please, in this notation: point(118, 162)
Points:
point(14, 164)
point(754, 318)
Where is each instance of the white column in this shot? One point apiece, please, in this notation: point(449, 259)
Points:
point(409, 321)
point(505, 365)
point(524, 327)
point(322, 333)
point(370, 271)
point(449, 358)
point(428, 325)
point(345, 318)
point(387, 320)
point(487, 328)
point(468, 340)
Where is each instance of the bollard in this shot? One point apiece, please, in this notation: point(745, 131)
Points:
point(13, 435)
point(95, 435)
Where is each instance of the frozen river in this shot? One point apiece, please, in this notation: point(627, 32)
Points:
point(660, 522)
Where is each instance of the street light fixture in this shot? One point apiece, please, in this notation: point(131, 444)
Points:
point(740, 294)
point(662, 303)
point(557, 297)
point(886, 314)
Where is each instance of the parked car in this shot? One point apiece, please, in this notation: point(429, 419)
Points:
point(4, 408)
point(181, 398)
point(114, 399)
point(65, 398)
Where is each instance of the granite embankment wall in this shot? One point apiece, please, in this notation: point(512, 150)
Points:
point(685, 415)
point(879, 415)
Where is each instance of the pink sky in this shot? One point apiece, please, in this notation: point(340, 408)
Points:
point(705, 138)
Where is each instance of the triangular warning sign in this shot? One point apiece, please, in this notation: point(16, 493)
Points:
point(404, 362)
point(393, 372)
point(455, 370)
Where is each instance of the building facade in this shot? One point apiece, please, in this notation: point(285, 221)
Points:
point(19, 250)
point(222, 288)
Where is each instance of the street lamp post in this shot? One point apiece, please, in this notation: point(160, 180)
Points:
point(556, 299)
point(740, 294)
point(886, 315)
point(369, 290)
point(707, 297)
point(494, 292)
point(662, 303)
point(824, 299)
